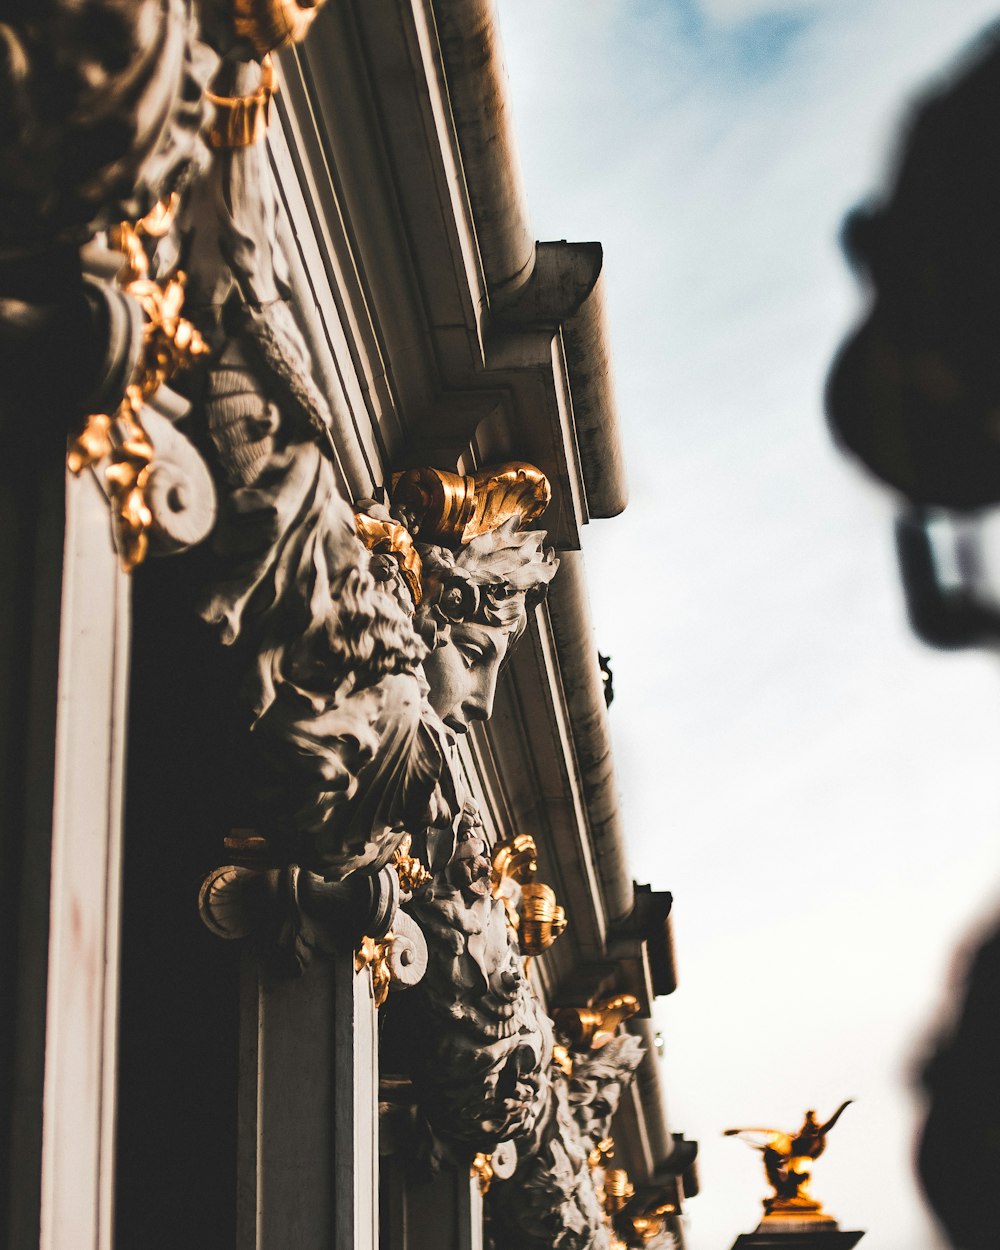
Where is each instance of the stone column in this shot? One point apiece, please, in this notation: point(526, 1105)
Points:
point(62, 736)
point(308, 1088)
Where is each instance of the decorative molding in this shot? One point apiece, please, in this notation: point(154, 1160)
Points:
point(366, 639)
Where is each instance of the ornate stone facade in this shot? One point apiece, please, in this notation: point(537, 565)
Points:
point(361, 640)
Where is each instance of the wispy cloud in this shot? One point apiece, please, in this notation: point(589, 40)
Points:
point(734, 12)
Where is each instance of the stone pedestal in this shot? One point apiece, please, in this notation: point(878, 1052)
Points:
point(787, 1240)
point(792, 1231)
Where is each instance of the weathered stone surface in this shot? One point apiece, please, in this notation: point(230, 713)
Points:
point(552, 1199)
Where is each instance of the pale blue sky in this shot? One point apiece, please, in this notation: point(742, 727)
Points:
point(817, 789)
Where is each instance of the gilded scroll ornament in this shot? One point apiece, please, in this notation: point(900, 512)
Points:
point(390, 539)
point(271, 24)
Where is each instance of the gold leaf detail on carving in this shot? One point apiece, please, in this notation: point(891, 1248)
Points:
point(271, 24)
point(373, 953)
point(170, 343)
point(392, 539)
point(242, 120)
point(482, 1170)
point(591, 1028)
point(452, 508)
point(410, 871)
point(532, 910)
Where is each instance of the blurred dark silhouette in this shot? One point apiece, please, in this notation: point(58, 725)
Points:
point(959, 1151)
point(915, 394)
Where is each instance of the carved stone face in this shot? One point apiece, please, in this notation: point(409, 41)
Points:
point(463, 673)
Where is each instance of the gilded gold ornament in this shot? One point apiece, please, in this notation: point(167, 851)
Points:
point(590, 1028)
point(542, 919)
point(562, 1059)
point(373, 953)
point(531, 907)
point(170, 343)
point(618, 1190)
point(452, 508)
point(482, 1170)
point(389, 538)
point(271, 24)
point(410, 871)
point(605, 1149)
point(241, 121)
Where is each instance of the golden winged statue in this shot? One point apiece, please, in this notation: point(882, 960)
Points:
point(786, 1160)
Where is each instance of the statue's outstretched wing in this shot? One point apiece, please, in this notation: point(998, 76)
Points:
point(762, 1138)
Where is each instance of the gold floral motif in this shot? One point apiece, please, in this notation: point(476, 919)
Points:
point(170, 343)
point(373, 953)
point(410, 871)
point(241, 121)
point(482, 1170)
point(271, 24)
